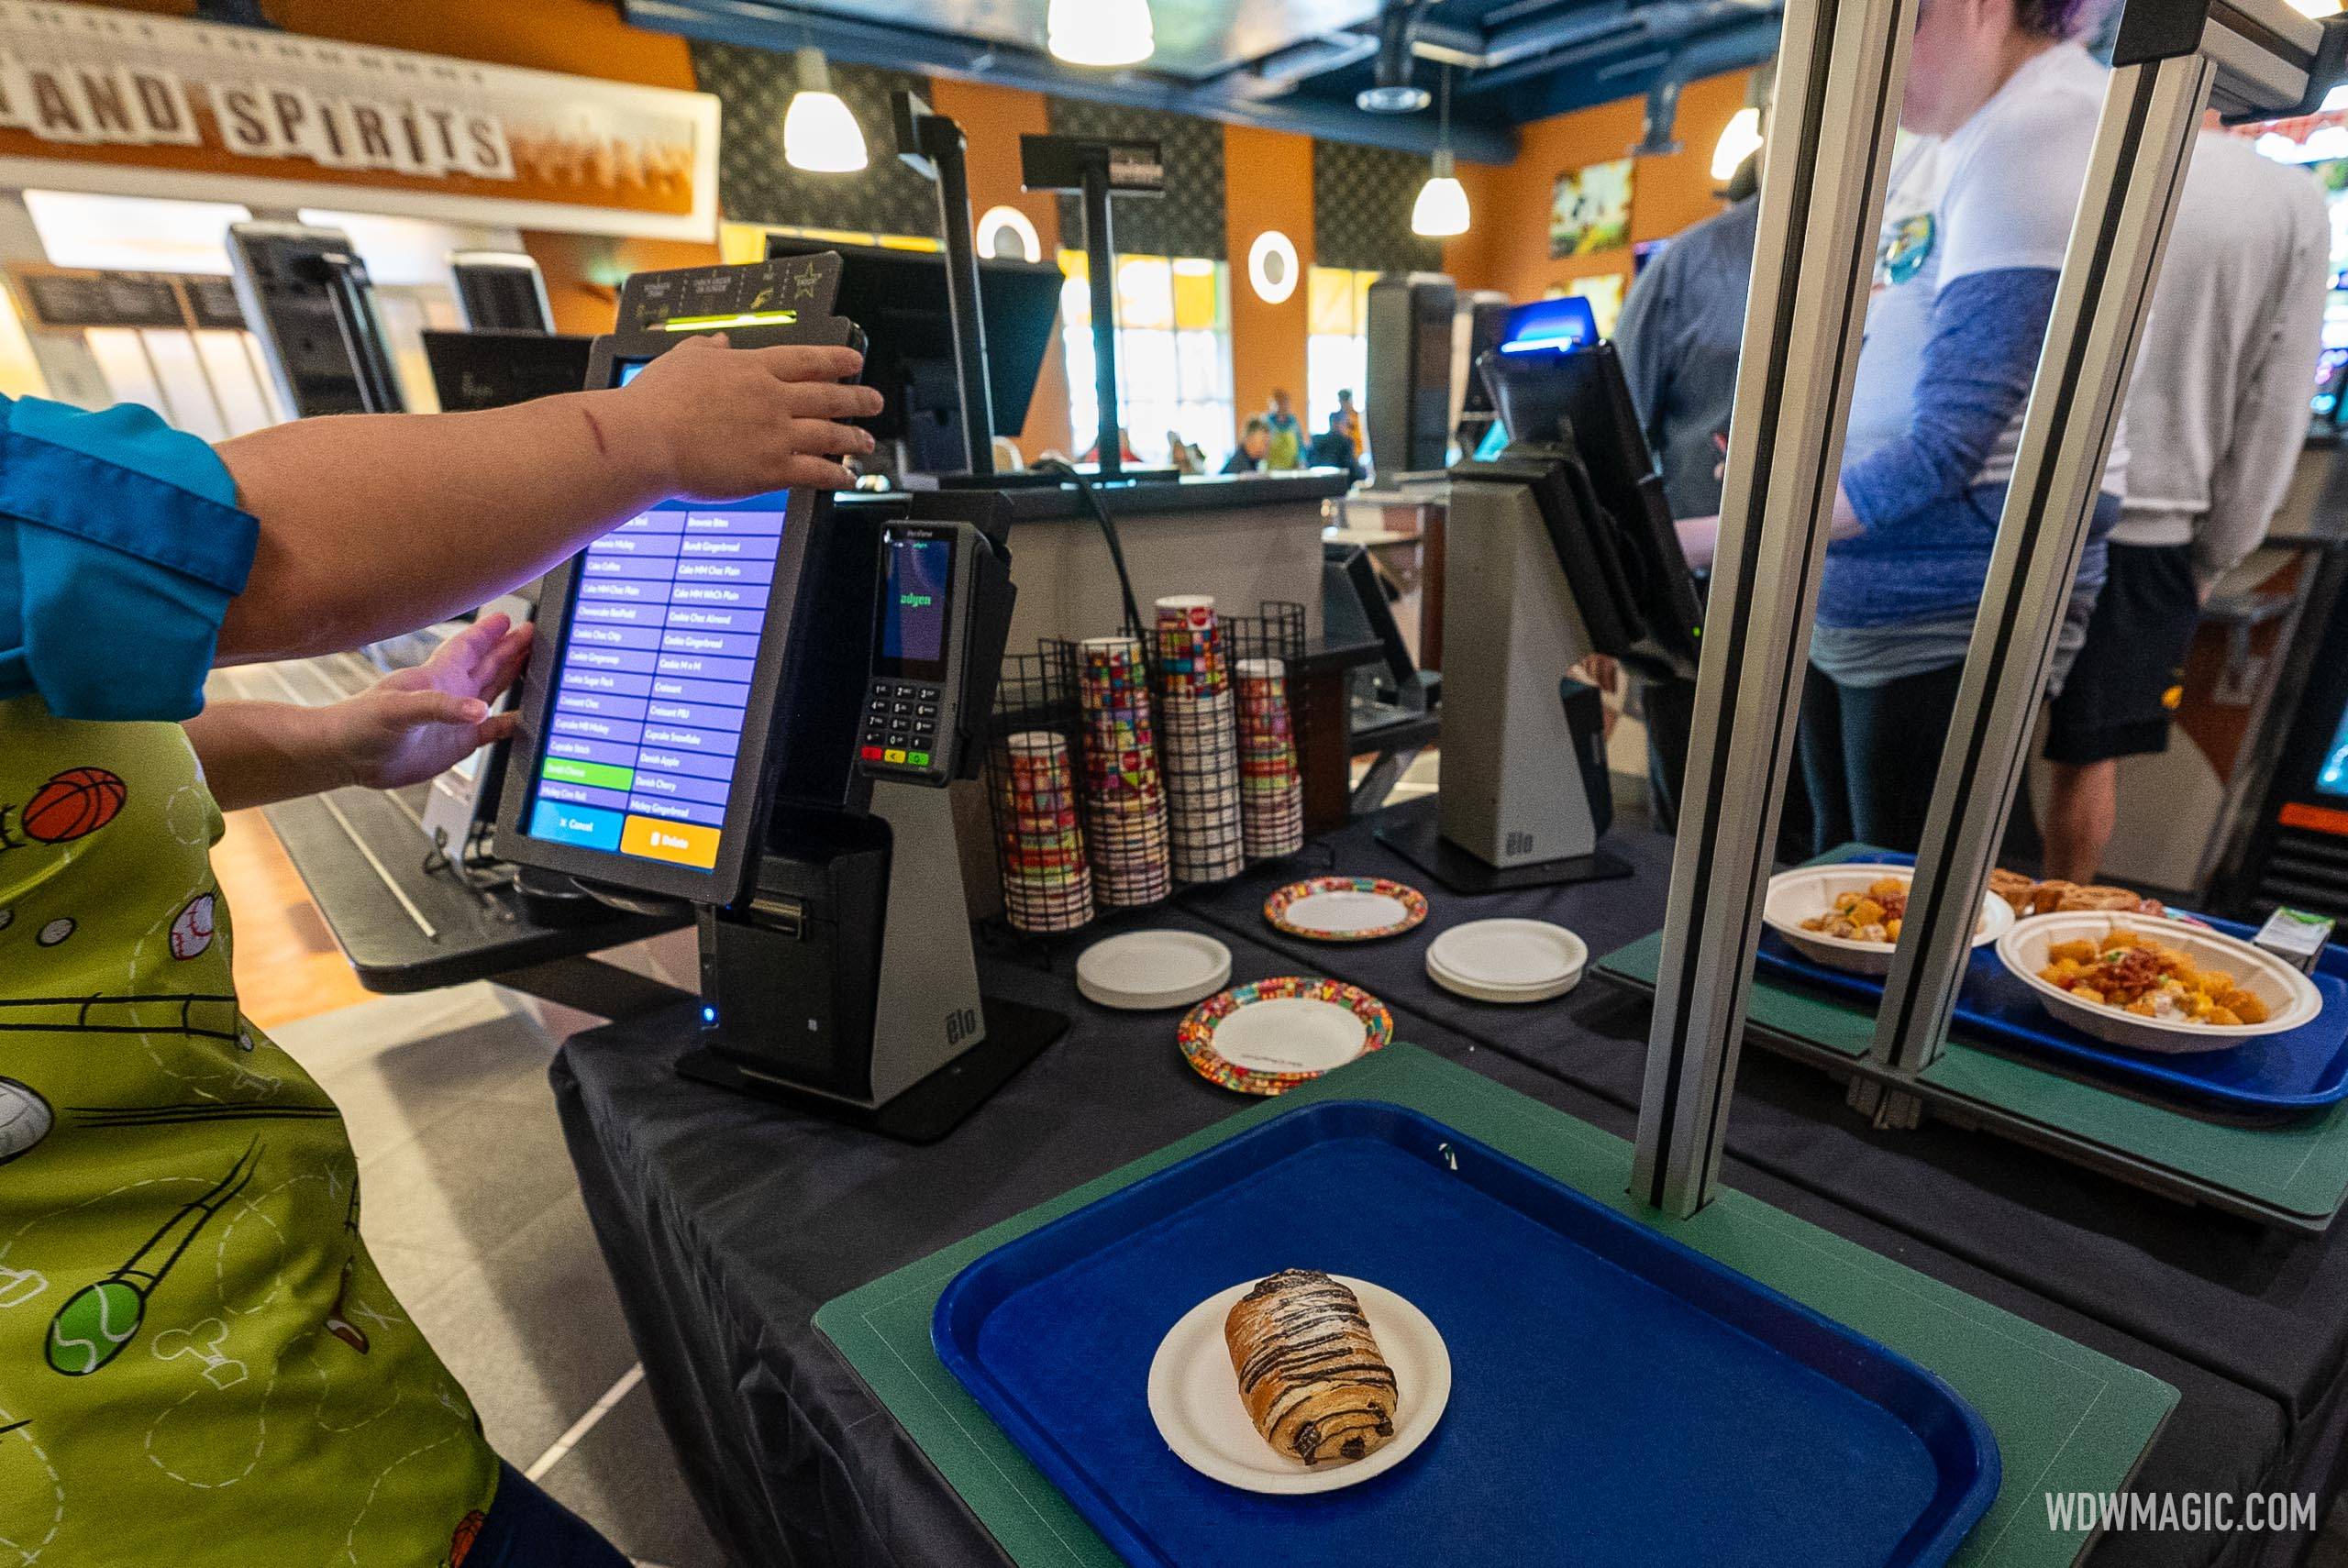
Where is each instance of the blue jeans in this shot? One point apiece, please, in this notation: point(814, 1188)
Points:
point(527, 1528)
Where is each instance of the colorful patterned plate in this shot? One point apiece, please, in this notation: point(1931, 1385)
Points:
point(1268, 1037)
point(1345, 909)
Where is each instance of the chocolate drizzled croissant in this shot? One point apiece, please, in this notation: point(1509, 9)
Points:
point(1313, 1379)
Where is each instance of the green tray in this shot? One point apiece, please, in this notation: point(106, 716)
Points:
point(2067, 1419)
point(2294, 1172)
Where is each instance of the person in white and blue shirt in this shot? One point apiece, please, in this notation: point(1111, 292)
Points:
point(2004, 106)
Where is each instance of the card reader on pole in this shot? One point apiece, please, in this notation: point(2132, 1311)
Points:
point(756, 707)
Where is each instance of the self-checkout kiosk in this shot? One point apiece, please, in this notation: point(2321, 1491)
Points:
point(755, 708)
point(1557, 547)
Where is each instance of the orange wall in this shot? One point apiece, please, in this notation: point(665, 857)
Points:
point(1267, 184)
point(585, 38)
point(992, 120)
point(1508, 246)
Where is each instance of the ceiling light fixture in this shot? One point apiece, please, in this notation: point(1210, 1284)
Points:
point(819, 135)
point(1392, 92)
point(1740, 140)
point(1441, 210)
point(1100, 33)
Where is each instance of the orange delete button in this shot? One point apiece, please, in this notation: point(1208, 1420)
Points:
point(686, 844)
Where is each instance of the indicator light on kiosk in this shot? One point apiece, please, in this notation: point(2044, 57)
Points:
point(739, 318)
point(709, 1016)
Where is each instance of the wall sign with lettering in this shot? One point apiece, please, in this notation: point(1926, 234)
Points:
point(115, 101)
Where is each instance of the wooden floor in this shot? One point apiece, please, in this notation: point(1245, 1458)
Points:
point(288, 966)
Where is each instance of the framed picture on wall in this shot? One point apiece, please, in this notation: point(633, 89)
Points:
point(1589, 209)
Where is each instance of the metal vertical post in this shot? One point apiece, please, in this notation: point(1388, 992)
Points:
point(1101, 266)
point(940, 152)
point(2152, 111)
point(1841, 68)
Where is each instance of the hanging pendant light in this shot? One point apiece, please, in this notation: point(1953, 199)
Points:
point(1442, 207)
point(1099, 33)
point(819, 135)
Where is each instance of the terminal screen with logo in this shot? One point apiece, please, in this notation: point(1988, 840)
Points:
point(657, 654)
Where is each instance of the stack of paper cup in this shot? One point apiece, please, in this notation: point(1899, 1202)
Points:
point(1124, 798)
point(1047, 885)
point(1271, 791)
point(1200, 741)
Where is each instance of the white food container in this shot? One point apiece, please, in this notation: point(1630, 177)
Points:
point(2290, 997)
point(1811, 891)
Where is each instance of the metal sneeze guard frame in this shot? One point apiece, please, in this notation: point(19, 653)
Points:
point(1843, 67)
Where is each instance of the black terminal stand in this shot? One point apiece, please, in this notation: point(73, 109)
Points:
point(932, 146)
point(1097, 170)
point(843, 981)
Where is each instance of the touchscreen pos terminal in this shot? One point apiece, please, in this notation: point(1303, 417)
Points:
point(754, 707)
point(1557, 549)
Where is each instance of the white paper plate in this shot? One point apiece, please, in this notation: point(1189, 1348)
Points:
point(1518, 997)
point(1290, 1034)
point(1508, 954)
point(1146, 969)
point(1341, 912)
point(1194, 1395)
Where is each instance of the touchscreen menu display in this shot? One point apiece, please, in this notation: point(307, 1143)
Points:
point(657, 656)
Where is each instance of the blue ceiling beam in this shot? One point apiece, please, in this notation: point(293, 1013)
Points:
point(1229, 98)
point(1581, 79)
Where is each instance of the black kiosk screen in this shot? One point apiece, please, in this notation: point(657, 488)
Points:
point(918, 576)
point(658, 654)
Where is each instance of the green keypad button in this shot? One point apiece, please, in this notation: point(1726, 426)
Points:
point(918, 758)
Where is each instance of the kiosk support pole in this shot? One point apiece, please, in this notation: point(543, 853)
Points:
point(1842, 66)
point(939, 151)
point(1100, 264)
point(2152, 111)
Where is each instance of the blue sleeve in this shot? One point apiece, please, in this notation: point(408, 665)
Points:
point(1987, 330)
point(127, 546)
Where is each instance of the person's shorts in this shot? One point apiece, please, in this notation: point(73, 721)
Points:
point(2125, 685)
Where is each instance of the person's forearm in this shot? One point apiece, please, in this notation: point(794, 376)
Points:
point(1987, 328)
point(375, 524)
point(256, 754)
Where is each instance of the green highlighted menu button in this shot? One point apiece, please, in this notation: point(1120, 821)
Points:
point(570, 770)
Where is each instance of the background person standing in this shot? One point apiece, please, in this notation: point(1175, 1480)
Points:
point(2215, 418)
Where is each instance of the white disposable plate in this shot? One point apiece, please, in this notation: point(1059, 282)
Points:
point(1146, 969)
point(1194, 1395)
point(1346, 911)
point(1507, 960)
point(2290, 997)
point(1810, 892)
point(1516, 996)
point(1290, 1034)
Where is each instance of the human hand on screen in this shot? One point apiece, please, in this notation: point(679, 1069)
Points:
point(723, 423)
point(416, 724)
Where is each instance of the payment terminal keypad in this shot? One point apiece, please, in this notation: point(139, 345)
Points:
point(901, 729)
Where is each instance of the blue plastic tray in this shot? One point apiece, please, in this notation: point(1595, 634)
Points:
point(1616, 1397)
point(2268, 1076)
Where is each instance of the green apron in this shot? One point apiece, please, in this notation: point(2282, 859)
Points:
point(199, 1364)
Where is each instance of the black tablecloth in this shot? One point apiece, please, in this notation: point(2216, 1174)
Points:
point(727, 1222)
